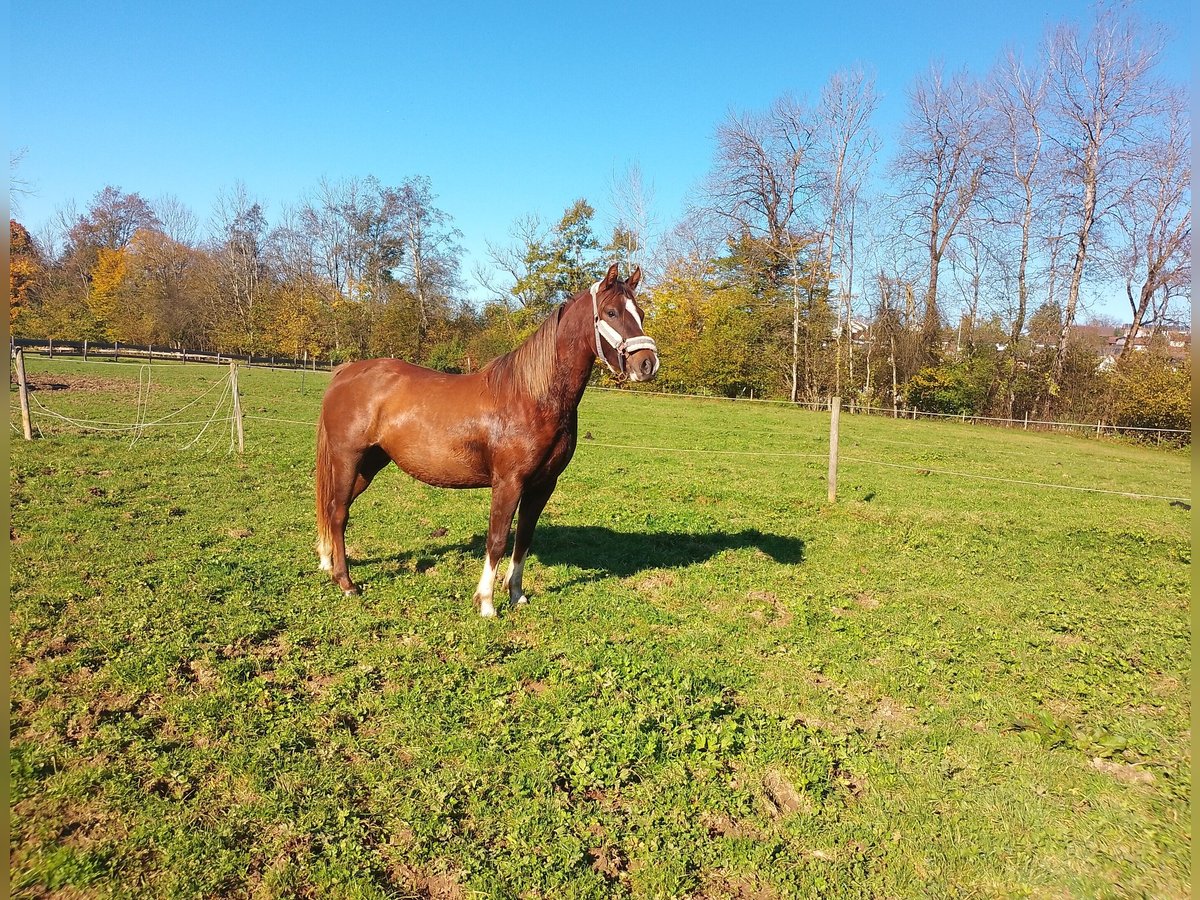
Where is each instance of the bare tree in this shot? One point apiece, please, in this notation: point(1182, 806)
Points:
point(1019, 96)
point(17, 187)
point(945, 156)
point(632, 200)
point(237, 247)
point(763, 186)
point(1102, 89)
point(431, 260)
point(847, 145)
point(1155, 216)
point(176, 220)
point(527, 234)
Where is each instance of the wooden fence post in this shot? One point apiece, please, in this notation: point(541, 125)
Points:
point(835, 409)
point(237, 406)
point(23, 389)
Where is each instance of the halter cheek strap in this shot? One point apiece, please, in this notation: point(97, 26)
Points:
point(623, 346)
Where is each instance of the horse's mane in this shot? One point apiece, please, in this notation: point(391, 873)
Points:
point(530, 367)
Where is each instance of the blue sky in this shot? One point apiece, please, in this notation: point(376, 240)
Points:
point(509, 109)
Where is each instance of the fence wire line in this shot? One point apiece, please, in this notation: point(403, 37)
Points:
point(113, 427)
point(68, 355)
point(273, 419)
point(1044, 484)
point(142, 403)
point(887, 412)
point(228, 382)
point(856, 408)
point(806, 404)
point(874, 462)
point(793, 454)
point(167, 361)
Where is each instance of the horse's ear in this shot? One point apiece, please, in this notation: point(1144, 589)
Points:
point(635, 276)
point(610, 277)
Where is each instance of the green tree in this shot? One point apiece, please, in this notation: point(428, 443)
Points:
point(558, 265)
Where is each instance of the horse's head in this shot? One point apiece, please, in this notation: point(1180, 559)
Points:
point(620, 341)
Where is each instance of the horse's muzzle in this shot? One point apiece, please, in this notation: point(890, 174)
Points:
point(642, 365)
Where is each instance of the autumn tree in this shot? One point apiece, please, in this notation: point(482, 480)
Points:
point(26, 269)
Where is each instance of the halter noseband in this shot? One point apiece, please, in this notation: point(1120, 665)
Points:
point(623, 346)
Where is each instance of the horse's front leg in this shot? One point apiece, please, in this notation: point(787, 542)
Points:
point(533, 501)
point(505, 495)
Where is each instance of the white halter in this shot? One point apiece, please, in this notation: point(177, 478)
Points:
point(623, 346)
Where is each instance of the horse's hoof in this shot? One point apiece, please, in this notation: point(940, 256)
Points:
point(521, 601)
point(351, 591)
point(487, 612)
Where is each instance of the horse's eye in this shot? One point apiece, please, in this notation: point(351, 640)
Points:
point(612, 313)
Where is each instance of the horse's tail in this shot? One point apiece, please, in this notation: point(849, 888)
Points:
point(324, 478)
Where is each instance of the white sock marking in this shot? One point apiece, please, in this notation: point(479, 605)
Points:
point(516, 593)
point(487, 584)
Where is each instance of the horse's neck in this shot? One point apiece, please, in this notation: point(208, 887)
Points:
point(576, 353)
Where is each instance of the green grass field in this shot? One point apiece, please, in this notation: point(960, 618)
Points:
point(723, 686)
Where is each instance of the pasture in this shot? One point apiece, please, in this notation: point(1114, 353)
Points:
point(723, 686)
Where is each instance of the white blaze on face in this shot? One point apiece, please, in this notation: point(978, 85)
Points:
point(633, 312)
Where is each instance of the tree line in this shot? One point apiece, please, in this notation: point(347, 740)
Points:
point(949, 276)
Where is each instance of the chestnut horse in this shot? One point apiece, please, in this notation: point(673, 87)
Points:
point(510, 426)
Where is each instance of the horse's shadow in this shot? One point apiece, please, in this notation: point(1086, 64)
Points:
point(609, 553)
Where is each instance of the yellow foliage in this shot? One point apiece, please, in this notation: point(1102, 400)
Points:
point(108, 276)
point(24, 269)
point(23, 274)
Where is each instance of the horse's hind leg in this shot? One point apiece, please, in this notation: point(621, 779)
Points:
point(533, 501)
point(350, 476)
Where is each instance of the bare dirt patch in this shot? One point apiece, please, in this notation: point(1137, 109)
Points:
point(416, 882)
point(655, 584)
point(781, 796)
point(866, 601)
point(608, 861)
point(88, 384)
point(769, 610)
point(1122, 772)
point(724, 825)
point(720, 885)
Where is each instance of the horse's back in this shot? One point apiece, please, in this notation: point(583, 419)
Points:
point(432, 424)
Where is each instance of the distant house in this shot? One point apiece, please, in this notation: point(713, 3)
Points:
point(1176, 342)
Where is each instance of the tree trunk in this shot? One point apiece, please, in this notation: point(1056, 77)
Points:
point(795, 336)
point(1081, 247)
point(1139, 313)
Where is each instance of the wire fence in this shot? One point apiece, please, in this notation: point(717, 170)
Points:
point(224, 410)
point(221, 411)
point(113, 352)
point(1099, 427)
